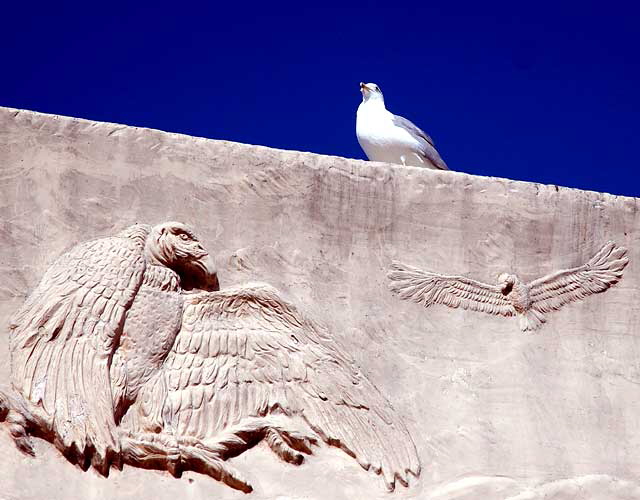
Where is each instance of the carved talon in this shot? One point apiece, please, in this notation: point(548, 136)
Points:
point(151, 451)
point(17, 425)
point(299, 441)
point(279, 446)
point(164, 451)
point(287, 444)
point(204, 461)
point(18, 430)
point(4, 407)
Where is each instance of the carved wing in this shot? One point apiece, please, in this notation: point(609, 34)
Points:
point(245, 352)
point(604, 269)
point(428, 288)
point(64, 336)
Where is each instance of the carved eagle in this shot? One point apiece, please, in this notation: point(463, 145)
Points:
point(127, 352)
point(511, 296)
point(101, 320)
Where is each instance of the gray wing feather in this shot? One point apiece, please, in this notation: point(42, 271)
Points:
point(246, 352)
point(427, 146)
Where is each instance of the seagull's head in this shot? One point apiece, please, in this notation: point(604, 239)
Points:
point(370, 92)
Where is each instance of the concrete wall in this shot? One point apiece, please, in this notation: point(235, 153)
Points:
point(493, 411)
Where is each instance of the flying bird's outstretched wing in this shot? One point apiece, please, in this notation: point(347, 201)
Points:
point(428, 288)
point(64, 336)
point(427, 146)
point(604, 269)
point(245, 352)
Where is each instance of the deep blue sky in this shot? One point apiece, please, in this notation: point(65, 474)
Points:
point(538, 91)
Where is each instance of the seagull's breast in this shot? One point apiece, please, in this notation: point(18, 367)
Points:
point(380, 138)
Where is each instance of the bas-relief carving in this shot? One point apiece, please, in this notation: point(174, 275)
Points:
point(511, 296)
point(127, 352)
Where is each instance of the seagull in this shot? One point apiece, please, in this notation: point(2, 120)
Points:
point(391, 138)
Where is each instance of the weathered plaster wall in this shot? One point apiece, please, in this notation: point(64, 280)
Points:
point(493, 411)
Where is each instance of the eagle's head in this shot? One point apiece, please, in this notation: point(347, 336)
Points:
point(506, 282)
point(174, 245)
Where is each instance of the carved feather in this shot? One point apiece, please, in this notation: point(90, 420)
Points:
point(64, 336)
point(246, 352)
point(428, 288)
point(604, 269)
point(530, 301)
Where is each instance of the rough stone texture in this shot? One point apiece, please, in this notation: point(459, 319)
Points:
point(495, 413)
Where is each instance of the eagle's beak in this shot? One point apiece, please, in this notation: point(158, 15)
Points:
point(210, 270)
point(363, 86)
point(203, 274)
point(207, 264)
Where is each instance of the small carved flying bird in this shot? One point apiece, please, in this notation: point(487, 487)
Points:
point(511, 296)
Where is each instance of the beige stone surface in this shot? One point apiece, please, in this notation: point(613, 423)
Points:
point(495, 413)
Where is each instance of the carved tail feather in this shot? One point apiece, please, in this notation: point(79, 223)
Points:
point(531, 320)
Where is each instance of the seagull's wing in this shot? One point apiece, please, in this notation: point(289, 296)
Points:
point(604, 269)
point(427, 146)
point(246, 352)
point(411, 127)
point(428, 288)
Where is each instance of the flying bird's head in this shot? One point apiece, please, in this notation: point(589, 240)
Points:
point(506, 282)
point(370, 92)
point(174, 245)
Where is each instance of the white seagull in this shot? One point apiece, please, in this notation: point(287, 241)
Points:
point(391, 138)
